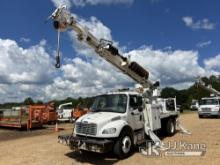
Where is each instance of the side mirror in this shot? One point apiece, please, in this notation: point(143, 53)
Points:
point(140, 109)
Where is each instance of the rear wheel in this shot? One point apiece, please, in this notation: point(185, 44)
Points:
point(124, 144)
point(171, 127)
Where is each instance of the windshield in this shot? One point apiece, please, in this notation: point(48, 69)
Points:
point(68, 106)
point(110, 103)
point(194, 103)
point(209, 102)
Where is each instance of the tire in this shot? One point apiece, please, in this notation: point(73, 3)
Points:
point(71, 120)
point(200, 116)
point(171, 126)
point(124, 144)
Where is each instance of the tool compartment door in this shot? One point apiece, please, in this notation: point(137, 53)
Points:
point(154, 117)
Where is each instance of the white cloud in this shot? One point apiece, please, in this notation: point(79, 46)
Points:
point(170, 67)
point(82, 3)
point(23, 69)
point(26, 66)
point(57, 3)
point(212, 63)
point(86, 78)
point(30, 72)
point(204, 44)
point(81, 78)
point(25, 40)
point(204, 24)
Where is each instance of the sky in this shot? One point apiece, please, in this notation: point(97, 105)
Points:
point(175, 40)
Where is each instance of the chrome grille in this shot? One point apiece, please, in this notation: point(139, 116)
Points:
point(86, 128)
point(206, 109)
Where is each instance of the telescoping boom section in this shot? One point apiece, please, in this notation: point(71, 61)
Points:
point(209, 87)
point(63, 20)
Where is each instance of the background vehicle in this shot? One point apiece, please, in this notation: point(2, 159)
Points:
point(209, 106)
point(78, 112)
point(29, 117)
point(65, 112)
point(194, 105)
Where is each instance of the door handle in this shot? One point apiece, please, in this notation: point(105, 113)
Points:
point(135, 113)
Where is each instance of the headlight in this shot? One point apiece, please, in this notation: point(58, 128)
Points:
point(216, 109)
point(109, 131)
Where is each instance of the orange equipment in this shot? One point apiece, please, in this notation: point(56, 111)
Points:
point(46, 113)
point(33, 117)
point(78, 112)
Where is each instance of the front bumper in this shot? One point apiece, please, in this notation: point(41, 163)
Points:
point(86, 143)
point(210, 113)
point(63, 119)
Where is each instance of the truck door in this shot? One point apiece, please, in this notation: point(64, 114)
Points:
point(136, 119)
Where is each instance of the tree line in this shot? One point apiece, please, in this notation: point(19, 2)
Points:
point(184, 97)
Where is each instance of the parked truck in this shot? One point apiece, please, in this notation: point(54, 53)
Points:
point(194, 105)
point(65, 112)
point(208, 106)
point(119, 120)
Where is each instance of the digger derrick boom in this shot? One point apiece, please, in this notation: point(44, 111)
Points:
point(63, 20)
point(209, 88)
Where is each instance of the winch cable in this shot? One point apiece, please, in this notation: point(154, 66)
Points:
point(57, 65)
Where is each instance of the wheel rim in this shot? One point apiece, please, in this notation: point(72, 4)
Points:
point(126, 144)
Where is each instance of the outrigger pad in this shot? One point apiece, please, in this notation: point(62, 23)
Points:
point(182, 129)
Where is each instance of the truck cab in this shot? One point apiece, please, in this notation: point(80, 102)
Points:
point(108, 111)
point(209, 106)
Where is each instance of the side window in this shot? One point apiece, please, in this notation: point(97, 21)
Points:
point(135, 101)
point(170, 105)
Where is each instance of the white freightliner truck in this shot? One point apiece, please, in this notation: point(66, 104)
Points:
point(208, 106)
point(118, 120)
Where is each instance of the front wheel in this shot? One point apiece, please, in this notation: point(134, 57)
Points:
point(124, 144)
point(200, 116)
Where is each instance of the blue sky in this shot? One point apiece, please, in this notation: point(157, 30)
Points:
point(167, 27)
point(144, 22)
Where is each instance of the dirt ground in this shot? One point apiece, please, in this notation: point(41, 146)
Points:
point(40, 147)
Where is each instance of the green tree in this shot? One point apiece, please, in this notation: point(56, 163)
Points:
point(28, 101)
